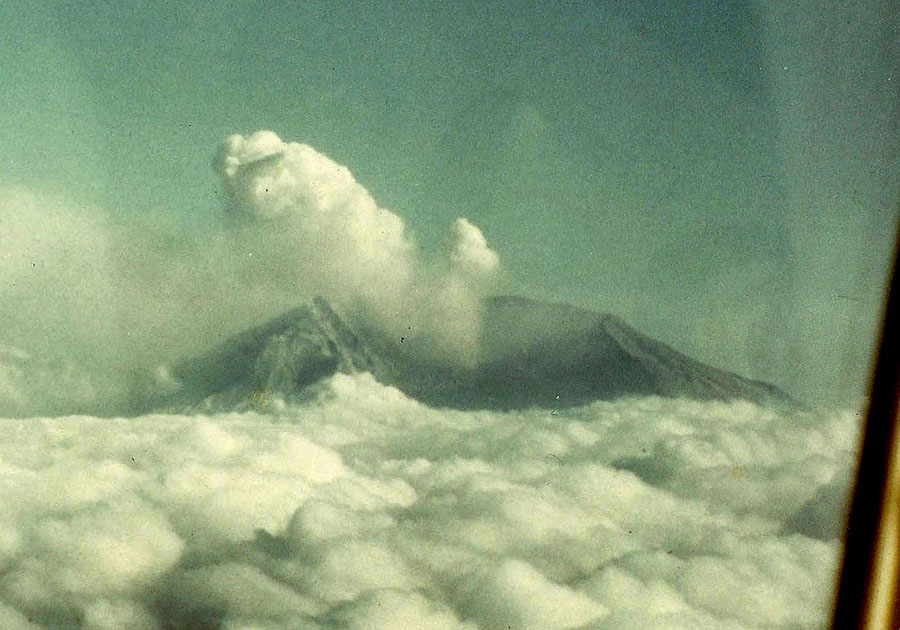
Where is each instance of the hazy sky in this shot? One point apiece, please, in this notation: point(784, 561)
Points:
point(723, 175)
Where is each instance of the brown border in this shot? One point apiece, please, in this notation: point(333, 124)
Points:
point(866, 527)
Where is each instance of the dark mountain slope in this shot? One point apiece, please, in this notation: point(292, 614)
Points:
point(555, 355)
point(277, 360)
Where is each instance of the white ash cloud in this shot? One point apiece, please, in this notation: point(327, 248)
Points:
point(365, 509)
point(304, 220)
point(82, 291)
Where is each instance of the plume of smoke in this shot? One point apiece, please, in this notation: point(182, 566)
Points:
point(82, 292)
point(305, 221)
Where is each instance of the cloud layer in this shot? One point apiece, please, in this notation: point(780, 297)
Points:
point(365, 509)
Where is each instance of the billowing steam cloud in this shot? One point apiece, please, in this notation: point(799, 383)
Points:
point(304, 218)
point(365, 509)
point(83, 293)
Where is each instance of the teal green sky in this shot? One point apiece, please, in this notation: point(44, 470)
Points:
point(723, 175)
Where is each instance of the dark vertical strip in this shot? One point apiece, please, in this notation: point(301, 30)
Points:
point(880, 432)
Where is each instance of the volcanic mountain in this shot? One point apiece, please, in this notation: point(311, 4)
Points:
point(536, 354)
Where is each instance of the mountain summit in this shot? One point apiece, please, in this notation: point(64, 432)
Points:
point(271, 363)
point(536, 354)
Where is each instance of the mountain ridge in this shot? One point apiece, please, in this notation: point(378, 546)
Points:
point(270, 362)
point(539, 354)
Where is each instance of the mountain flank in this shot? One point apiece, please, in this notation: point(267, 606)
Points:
point(535, 354)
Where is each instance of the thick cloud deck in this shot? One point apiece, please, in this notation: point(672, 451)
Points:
point(365, 509)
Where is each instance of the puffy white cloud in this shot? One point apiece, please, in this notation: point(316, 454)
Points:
point(386, 609)
point(104, 614)
point(512, 593)
point(469, 251)
point(244, 591)
point(302, 220)
point(98, 561)
point(313, 214)
point(366, 509)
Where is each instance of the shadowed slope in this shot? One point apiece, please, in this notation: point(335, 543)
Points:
point(272, 362)
point(556, 355)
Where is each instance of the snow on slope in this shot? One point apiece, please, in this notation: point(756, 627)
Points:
point(366, 509)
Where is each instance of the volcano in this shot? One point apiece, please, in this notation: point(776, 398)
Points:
point(536, 354)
